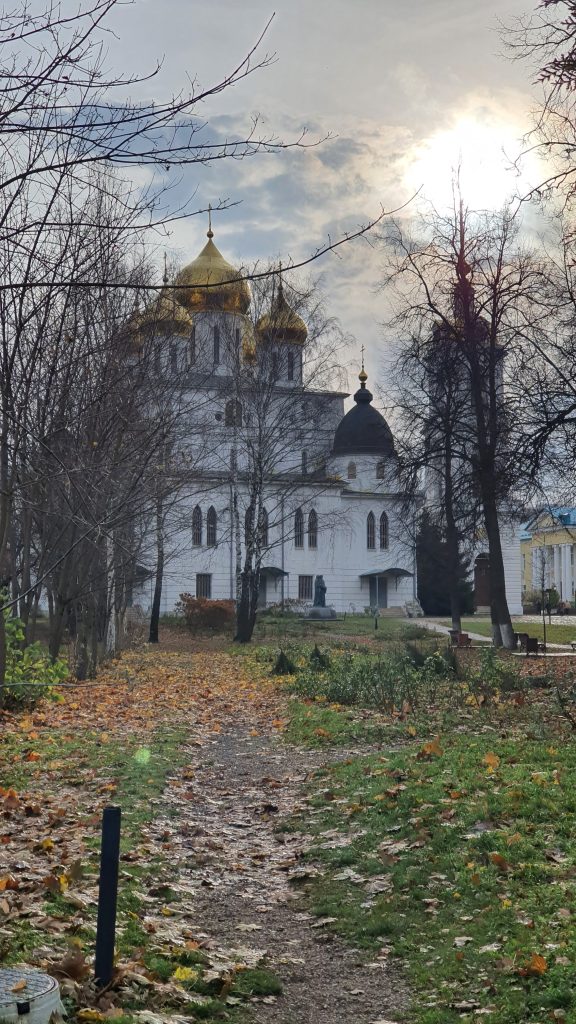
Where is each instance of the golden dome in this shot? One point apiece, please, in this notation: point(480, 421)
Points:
point(226, 292)
point(282, 324)
point(164, 311)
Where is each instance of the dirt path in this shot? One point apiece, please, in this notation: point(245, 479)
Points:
point(229, 853)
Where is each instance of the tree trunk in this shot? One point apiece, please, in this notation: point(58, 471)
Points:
point(452, 544)
point(246, 611)
point(155, 614)
point(502, 629)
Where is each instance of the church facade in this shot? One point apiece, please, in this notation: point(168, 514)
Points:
point(269, 460)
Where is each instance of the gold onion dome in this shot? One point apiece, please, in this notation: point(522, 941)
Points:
point(282, 323)
point(164, 310)
point(210, 282)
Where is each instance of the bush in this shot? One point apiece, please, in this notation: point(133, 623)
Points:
point(386, 683)
point(30, 674)
point(201, 613)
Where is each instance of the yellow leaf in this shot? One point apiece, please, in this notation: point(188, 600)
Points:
point(47, 844)
point(20, 985)
point(185, 974)
point(430, 749)
point(411, 730)
point(89, 1014)
point(491, 761)
point(536, 965)
point(63, 879)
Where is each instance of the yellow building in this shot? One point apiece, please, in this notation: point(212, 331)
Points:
point(547, 544)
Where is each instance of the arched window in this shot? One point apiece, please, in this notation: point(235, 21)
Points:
point(351, 470)
point(298, 529)
point(263, 531)
point(216, 345)
point(383, 531)
point(192, 347)
point(233, 413)
point(371, 532)
point(380, 469)
point(312, 529)
point(211, 526)
point(304, 463)
point(197, 527)
point(290, 366)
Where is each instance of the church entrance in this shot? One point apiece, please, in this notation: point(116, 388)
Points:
point(262, 593)
point(378, 592)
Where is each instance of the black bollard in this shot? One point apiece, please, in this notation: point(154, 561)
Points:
point(107, 896)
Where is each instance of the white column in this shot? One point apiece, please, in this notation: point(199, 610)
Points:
point(565, 573)
point(557, 570)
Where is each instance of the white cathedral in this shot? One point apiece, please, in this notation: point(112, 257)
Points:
point(330, 501)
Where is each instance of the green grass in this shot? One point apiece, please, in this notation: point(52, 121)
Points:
point(486, 855)
point(561, 631)
point(292, 627)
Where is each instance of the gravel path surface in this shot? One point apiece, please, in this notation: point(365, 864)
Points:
point(237, 864)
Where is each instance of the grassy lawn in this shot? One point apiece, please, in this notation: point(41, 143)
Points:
point(463, 862)
point(280, 628)
point(453, 846)
point(562, 630)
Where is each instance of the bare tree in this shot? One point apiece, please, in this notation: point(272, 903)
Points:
point(467, 283)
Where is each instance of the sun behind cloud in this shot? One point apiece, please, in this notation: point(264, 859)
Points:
point(482, 154)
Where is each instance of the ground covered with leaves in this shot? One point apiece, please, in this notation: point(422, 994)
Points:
point(213, 924)
point(379, 835)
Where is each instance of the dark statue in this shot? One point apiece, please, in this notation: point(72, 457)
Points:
point(319, 592)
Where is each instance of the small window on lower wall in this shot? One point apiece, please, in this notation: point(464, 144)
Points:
point(305, 588)
point(204, 584)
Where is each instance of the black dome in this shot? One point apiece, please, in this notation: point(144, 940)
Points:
point(363, 430)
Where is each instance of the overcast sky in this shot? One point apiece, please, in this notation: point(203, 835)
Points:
point(396, 83)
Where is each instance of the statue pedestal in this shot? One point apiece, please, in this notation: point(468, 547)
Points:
point(320, 613)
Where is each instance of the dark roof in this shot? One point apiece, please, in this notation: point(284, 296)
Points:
point(363, 430)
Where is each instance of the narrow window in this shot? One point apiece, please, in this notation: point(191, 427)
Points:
point(233, 461)
point(204, 584)
point(197, 527)
point(263, 531)
point(380, 469)
point(299, 529)
point(304, 463)
point(383, 531)
point(305, 588)
point(371, 532)
point(173, 358)
point(274, 365)
point(237, 337)
point(192, 348)
point(312, 529)
point(290, 366)
point(233, 413)
point(216, 345)
point(211, 525)
point(248, 525)
point(351, 470)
